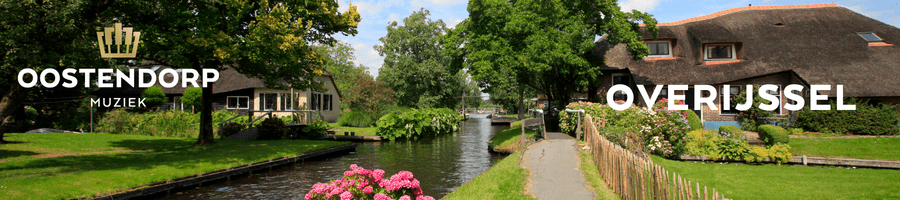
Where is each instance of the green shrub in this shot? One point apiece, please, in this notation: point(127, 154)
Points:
point(193, 97)
point(166, 123)
point(355, 119)
point(293, 119)
point(702, 142)
point(154, 96)
point(881, 119)
point(795, 131)
point(733, 148)
point(418, 123)
point(731, 130)
point(694, 121)
point(754, 116)
point(780, 153)
point(230, 128)
point(271, 129)
point(772, 134)
point(315, 129)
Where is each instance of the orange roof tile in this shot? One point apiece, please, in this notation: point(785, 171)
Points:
point(729, 11)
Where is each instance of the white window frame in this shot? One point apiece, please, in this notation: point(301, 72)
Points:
point(668, 44)
point(706, 52)
point(246, 99)
point(873, 34)
point(262, 101)
point(722, 101)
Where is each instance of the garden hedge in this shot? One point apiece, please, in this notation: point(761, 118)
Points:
point(773, 134)
point(867, 119)
point(694, 121)
point(732, 130)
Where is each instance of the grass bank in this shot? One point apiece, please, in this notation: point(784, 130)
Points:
point(881, 148)
point(743, 181)
point(65, 166)
point(592, 175)
point(505, 180)
point(510, 141)
point(358, 130)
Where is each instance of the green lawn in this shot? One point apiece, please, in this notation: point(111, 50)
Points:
point(592, 175)
point(358, 130)
point(505, 180)
point(743, 181)
point(882, 148)
point(65, 166)
point(509, 138)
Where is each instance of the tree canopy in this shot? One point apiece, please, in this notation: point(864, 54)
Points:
point(270, 40)
point(414, 65)
point(542, 45)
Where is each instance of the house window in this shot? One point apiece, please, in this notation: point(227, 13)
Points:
point(733, 90)
point(869, 37)
point(326, 102)
point(316, 98)
point(267, 101)
point(798, 93)
point(238, 102)
point(659, 49)
point(623, 79)
point(720, 52)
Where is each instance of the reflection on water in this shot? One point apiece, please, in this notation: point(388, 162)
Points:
point(442, 164)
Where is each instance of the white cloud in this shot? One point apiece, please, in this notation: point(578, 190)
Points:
point(370, 7)
point(446, 2)
point(367, 56)
point(393, 17)
point(452, 22)
point(640, 5)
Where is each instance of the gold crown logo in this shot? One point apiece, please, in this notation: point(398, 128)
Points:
point(119, 49)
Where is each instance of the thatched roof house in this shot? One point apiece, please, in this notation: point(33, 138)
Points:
point(821, 44)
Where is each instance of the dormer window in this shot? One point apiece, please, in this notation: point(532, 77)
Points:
point(869, 37)
point(720, 52)
point(659, 49)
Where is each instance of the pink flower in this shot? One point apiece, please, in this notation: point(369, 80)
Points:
point(405, 197)
point(405, 175)
point(348, 173)
point(309, 197)
point(381, 196)
point(368, 190)
point(420, 197)
point(377, 174)
point(346, 195)
point(353, 166)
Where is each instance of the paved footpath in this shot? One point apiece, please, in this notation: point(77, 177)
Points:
point(554, 169)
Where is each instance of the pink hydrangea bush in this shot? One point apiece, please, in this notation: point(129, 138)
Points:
point(361, 183)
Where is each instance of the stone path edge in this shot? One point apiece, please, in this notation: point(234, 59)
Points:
point(196, 179)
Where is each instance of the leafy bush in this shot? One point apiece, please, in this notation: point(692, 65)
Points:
point(795, 131)
point(418, 123)
point(702, 142)
point(271, 129)
point(752, 117)
point(355, 119)
point(230, 128)
point(193, 97)
point(154, 96)
point(729, 129)
point(772, 134)
point(360, 183)
point(694, 121)
point(619, 134)
point(315, 129)
point(780, 153)
point(165, 123)
point(881, 119)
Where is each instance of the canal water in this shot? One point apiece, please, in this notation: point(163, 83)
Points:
point(441, 164)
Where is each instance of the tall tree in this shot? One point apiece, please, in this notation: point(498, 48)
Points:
point(414, 66)
point(367, 94)
point(41, 35)
point(339, 61)
point(270, 40)
point(543, 45)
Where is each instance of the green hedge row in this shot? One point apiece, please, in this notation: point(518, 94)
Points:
point(881, 119)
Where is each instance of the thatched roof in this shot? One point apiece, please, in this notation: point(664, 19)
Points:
point(817, 42)
point(229, 80)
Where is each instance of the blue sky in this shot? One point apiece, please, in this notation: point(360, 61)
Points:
point(376, 14)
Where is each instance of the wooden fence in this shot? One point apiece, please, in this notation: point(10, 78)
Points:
point(635, 177)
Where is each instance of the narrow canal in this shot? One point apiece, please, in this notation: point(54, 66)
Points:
point(442, 164)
